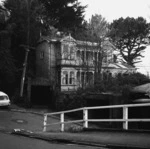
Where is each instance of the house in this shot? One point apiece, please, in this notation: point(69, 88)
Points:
point(68, 64)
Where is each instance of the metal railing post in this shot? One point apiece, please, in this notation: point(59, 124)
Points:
point(125, 118)
point(45, 123)
point(62, 121)
point(85, 118)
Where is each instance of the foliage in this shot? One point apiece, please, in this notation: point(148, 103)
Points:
point(98, 26)
point(119, 83)
point(94, 30)
point(75, 128)
point(24, 16)
point(31, 18)
point(130, 37)
point(7, 66)
point(65, 15)
point(67, 101)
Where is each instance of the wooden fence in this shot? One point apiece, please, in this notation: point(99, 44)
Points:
point(125, 120)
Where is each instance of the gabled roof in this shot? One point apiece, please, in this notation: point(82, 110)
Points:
point(107, 42)
point(69, 38)
point(120, 66)
point(57, 39)
point(48, 39)
point(129, 66)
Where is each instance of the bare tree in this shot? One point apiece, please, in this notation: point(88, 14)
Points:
point(98, 28)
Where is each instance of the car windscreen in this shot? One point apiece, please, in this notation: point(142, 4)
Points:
point(3, 97)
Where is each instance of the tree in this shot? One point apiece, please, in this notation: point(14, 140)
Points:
point(65, 15)
point(26, 15)
point(98, 29)
point(7, 63)
point(94, 30)
point(130, 37)
point(98, 26)
point(33, 18)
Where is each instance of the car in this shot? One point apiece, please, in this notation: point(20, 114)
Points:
point(142, 100)
point(4, 100)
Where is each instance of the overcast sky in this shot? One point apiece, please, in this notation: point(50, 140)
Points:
point(114, 9)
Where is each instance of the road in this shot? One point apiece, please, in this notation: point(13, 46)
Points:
point(10, 120)
point(9, 141)
point(27, 121)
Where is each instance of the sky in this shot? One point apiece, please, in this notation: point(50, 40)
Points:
point(114, 9)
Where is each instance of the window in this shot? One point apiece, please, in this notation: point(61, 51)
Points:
point(82, 56)
point(105, 58)
point(3, 97)
point(72, 53)
point(65, 77)
point(68, 52)
point(71, 79)
point(68, 78)
point(41, 55)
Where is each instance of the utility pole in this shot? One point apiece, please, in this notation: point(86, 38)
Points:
point(24, 68)
point(24, 72)
point(28, 4)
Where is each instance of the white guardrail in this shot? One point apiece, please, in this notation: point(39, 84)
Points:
point(85, 119)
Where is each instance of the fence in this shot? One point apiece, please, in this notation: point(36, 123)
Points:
point(125, 120)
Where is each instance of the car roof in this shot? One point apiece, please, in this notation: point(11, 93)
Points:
point(3, 94)
point(143, 100)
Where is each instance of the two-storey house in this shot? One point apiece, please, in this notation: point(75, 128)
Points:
point(69, 64)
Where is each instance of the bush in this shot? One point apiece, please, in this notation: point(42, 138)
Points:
point(118, 84)
point(75, 128)
point(70, 101)
point(122, 83)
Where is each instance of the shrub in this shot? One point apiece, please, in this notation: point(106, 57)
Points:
point(118, 84)
point(75, 128)
point(70, 101)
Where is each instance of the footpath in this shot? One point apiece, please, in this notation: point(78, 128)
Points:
point(92, 137)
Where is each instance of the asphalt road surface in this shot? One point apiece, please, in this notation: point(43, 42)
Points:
point(9, 141)
point(16, 120)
